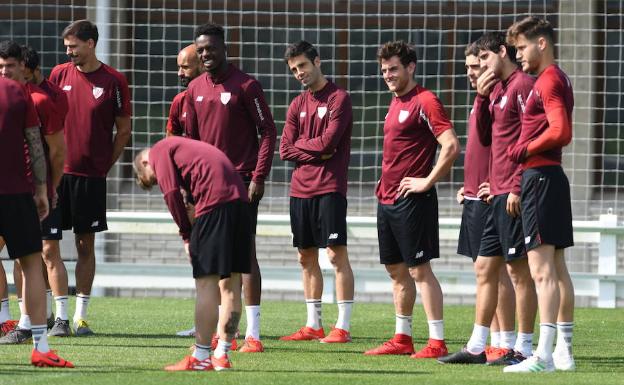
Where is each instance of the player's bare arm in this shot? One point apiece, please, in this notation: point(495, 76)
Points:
point(449, 151)
point(39, 171)
point(122, 137)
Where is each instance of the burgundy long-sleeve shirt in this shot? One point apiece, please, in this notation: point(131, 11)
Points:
point(199, 168)
point(318, 123)
point(500, 123)
point(95, 99)
point(476, 157)
point(228, 113)
point(547, 120)
point(413, 123)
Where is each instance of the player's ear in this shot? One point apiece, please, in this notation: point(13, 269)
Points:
point(317, 61)
point(542, 43)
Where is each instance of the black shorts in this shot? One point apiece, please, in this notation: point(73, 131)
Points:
point(253, 206)
point(408, 230)
point(474, 216)
point(546, 208)
point(502, 235)
point(83, 203)
point(220, 241)
point(19, 225)
point(319, 221)
point(52, 226)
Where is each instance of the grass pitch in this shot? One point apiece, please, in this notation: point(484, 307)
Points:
point(136, 338)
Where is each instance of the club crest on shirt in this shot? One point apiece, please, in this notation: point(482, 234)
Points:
point(503, 102)
point(97, 92)
point(321, 111)
point(403, 114)
point(199, 98)
point(67, 88)
point(302, 114)
point(184, 114)
point(225, 97)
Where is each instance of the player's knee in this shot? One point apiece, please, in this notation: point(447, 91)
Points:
point(50, 252)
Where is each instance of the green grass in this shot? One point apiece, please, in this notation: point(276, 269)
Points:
point(136, 339)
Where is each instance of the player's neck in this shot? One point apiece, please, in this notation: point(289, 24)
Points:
point(508, 69)
point(408, 88)
point(219, 72)
point(319, 85)
point(38, 79)
point(91, 65)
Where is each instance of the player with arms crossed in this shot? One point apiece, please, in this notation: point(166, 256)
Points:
point(317, 137)
point(407, 213)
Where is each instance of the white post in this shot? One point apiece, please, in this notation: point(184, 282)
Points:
point(607, 262)
point(329, 278)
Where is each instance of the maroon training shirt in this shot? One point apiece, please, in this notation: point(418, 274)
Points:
point(500, 123)
point(51, 123)
point(318, 123)
point(58, 97)
point(199, 168)
point(476, 157)
point(95, 99)
point(413, 123)
point(177, 115)
point(17, 113)
point(228, 113)
point(551, 94)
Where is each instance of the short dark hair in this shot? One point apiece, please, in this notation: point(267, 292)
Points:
point(210, 29)
point(471, 49)
point(31, 57)
point(492, 41)
point(9, 48)
point(531, 27)
point(406, 52)
point(81, 29)
point(301, 47)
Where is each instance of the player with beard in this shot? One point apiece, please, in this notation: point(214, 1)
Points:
point(98, 98)
point(546, 203)
point(226, 107)
point(189, 67)
point(317, 138)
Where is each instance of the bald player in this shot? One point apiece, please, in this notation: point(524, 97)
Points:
point(189, 67)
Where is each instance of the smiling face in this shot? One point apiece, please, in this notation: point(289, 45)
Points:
point(473, 69)
point(306, 72)
point(396, 75)
point(211, 51)
point(529, 53)
point(11, 68)
point(80, 52)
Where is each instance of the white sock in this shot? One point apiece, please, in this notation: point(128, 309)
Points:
point(403, 324)
point(544, 348)
point(24, 322)
point(564, 337)
point(22, 306)
point(495, 338)
point(82, 302)
point(436, 329)
point(524, 344)
point(201, 352)
point(223, 347)
point(344, 315)
point(508, 339)
point(5, 313)
point(478, 339)
point(61, 307)
point(314, 314)
point(40, 338)
point(48, 303)
point(253, 322)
